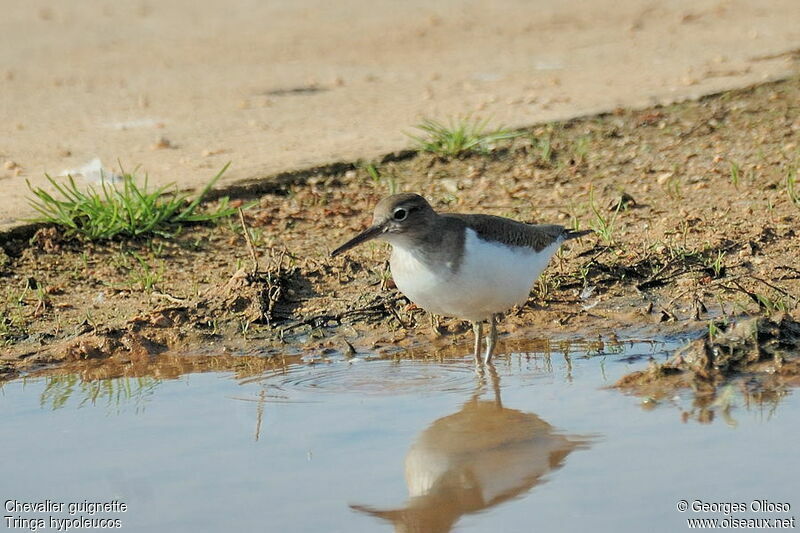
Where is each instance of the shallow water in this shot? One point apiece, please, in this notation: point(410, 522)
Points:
point(406, 445)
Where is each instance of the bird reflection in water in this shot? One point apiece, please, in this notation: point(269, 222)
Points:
point(481, 456)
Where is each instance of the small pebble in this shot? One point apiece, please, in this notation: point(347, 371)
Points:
point(663, 177)
point(161, 143)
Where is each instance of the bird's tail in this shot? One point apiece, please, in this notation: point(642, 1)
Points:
point(569, 234)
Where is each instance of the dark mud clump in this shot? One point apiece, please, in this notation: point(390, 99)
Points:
point(253, 296)
point(758, 356)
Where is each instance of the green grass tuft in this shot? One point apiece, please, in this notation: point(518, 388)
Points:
point(377, 179)
point(603, 225)
point(144, 276)
point(459, 137)
point(736, 172)
point(125, 210)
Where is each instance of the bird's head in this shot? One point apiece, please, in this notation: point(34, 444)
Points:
point(396, 218)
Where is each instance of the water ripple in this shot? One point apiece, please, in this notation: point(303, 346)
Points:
point(374, 377)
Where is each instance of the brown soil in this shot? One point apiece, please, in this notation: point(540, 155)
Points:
point(701, 226)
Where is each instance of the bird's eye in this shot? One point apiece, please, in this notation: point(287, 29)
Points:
point(400, 214)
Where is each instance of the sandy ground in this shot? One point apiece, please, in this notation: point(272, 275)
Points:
point(179, 88)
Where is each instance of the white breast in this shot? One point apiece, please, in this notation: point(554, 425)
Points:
point(492, 278)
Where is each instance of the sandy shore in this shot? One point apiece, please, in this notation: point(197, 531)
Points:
point(180, 88)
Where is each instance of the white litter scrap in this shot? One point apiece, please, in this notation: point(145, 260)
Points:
point(93, 172)
point(587, 292)
point(135, 123)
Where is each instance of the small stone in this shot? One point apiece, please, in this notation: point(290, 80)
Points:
point(161, 143)
point(161, 321)
point(623, 201)
point(450, 185)
point(10, 165)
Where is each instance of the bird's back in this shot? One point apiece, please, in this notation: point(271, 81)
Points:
point(510, 232)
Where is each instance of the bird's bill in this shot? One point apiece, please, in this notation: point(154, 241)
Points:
point(366, 235)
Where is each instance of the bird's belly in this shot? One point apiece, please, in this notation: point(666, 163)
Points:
point(491, 279)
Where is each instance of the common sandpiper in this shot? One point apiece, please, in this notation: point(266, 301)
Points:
point(472, 267)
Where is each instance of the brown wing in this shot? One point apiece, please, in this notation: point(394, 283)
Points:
point(507, 231)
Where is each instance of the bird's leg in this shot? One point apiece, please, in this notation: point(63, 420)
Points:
point(495, 384)
point(491, 340)
point(477, 328)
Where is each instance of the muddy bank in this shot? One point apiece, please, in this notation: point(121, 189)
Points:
point(757, 359)
point(694, 209)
